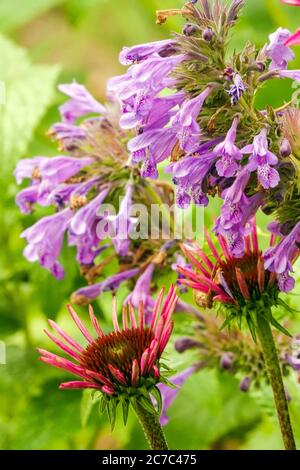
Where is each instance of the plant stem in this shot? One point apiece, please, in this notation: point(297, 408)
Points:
point(152, 428)
point(265, 336)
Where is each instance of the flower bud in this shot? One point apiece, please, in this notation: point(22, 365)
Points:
point(226, 361)
point(245, 384)
point(208, 34)
point(285, 148)
point(190, 29)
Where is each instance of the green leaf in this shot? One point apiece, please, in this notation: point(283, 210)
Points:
point(29, 90)
point(147, 404)
point(281, 328)
point(16, 13)
point(112, 412)
point(125, 407)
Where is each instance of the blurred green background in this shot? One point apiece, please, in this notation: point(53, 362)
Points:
point(44, 42)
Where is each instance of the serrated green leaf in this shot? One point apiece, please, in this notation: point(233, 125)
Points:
point(251, 326)
point(18, 12)
point(27, 92)
point(103, 403)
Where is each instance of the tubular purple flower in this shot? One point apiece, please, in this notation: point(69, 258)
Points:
point(280, 259)
point(262, 160)
point(185, 122)
point(142, 293)
point(45, 239)
point(141, 52)
point(170, 394)
point(80, 104)
point(229, 153)
point(26, 198)
point(85, 218)
point(111, 283)
point(277, 50)
point(123, 223)
point(26, 168)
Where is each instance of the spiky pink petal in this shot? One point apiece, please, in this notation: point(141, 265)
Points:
point(117, 375)
point(135, 373)
point(65, 336)
point(78, 384)
point(80, 325)
point(242, 284)
point(62, 346)
point(95, 322)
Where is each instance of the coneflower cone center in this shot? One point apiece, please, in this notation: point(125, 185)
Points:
point(117, 349)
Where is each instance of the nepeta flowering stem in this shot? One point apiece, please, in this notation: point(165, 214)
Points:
point(265, 336)
point(151, 427)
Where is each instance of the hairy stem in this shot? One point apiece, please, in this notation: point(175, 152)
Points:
point(152, 428)
point(274, 373)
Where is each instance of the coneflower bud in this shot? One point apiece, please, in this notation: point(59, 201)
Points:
point(285, 148)
point(208, 34)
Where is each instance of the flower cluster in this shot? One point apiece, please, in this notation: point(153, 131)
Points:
point(97, 171)
point(182, 93)
point(123, 365)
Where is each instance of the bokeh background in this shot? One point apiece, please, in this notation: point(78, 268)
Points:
point(44, 42)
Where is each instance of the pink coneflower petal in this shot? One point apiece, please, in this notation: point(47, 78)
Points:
point(212, 246)
point(195, 262)
point(124, 317)
point(80, 325)
point(165, 338)
point(117, 374)
point(194, 285)
point(203, 256)
point(62, 363)
point(95, 322)
point(115, 314)
point(132, 316)
point(224, 246)
point(135, 373)
point(65, 336)
point(144, 361)
point(141, 312)
point(77, 384)
point(156, 372)
point(242, 284)
point(108, 390)
point(254, 236)
point(247, 244)
point(224, 299)
point(294, 39)
point(156, 309)
point(98, 377)
point(62, 346)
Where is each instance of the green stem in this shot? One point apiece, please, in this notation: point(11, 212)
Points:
point(152, 428)
point(275, 377)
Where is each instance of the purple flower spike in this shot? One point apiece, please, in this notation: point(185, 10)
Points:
point(229, 153)
point(26, 198)
point(277, 51)
point(81, 103)
point(45, 240)
point(123, 223)
point(262, 160)
point(170, 394)
point(26, 168)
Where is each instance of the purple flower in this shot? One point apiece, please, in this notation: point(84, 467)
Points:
point(138, 53)
point(185, 122)
point(69, 136)
point(81, 102)
point(170, 394)
point(26, 198)
point(294, 358)
point(292, 74)
point(26, 168)
point(245, 384)
point(110, 283)
point(262, 160)
point(279, 259)
point(123, 223)
point(141, 292)
point(229, 153)
point(83, 230)
point(45, 239)
point(277, 51)
point(237, 89)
